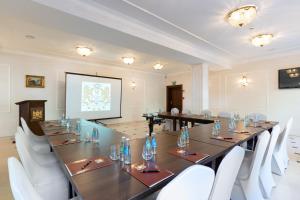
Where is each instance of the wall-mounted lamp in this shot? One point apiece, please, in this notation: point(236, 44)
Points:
point(132, 85)
point(244, 81)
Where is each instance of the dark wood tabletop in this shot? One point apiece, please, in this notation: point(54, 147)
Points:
point(112, 182)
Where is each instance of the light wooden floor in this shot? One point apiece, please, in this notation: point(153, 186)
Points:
point(7, 149)
point(287, 186)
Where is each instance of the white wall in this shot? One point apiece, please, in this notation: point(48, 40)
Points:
point(148, 94)
point(261, 95)
point(184, 78)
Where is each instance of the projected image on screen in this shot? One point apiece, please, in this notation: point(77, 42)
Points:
point(95, 96)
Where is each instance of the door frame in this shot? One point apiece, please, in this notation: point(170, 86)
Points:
point(168, 89)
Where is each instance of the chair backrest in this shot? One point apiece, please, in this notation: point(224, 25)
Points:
point(21, 187)
point(282, 141)
point(274, 137)
point(174, 111)
point(194, 183)
point(224, 114)
point(227, 173)
point(258, 116)
point(27, 156)
point(25, 127)
point(259, 154)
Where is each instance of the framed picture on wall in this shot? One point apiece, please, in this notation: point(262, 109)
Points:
point(35, 81)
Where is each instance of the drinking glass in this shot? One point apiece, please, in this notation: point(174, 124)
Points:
point(95, 135)
point(147, 153)
point(255, 120)
point(87, 136)
point(78, 127)
point(232, 125)
point(216, 130)
point(181, 143)
point(114, 152)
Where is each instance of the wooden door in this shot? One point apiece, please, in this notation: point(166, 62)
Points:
point(174, 97)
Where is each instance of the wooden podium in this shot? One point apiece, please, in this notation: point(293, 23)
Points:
point(33, 111)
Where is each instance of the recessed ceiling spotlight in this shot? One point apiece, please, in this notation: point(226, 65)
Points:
point(241, 16)
point(262, 40)
point(128, 60)
point(30, 37)
point(84, 51)
point(158, 66)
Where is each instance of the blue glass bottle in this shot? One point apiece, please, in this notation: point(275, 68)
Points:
point(153, 143)
point(148, 143)
point(122, 145)
point(187, 134)
point(127, 152)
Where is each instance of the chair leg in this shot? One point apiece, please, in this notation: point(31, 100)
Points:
point(266, 182)
point(277, 165)
point(251, 190)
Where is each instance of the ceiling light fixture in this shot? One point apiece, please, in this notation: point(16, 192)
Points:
point(241, 16)
point(262, 40)
point(293, 73)
point(158, 66)
point(128, 60)
point(84, 51)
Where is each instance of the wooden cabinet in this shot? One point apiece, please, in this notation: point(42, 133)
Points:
point(33, 111)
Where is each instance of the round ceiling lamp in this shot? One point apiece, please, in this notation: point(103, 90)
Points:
point(158, 66)
point(128, 60)
point(262, 40)
point(241, 16)
point(84, 51)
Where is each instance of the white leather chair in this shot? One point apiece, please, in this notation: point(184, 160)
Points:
point(258, 116)
point(21, 187)
point(169, 122)
point(41, 158)
point(194, 183)
point(246, 186)
point(224, 114)
point(206, 112)
point(38, 143)
point(266, 178)
point(226, 174)
point(174, 111)
point(49, 181)
point(280, 156)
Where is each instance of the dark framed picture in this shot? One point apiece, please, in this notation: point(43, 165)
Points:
point(35, 81)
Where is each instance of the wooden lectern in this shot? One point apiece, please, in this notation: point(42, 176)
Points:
point(33, 111)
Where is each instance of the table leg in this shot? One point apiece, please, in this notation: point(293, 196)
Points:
point(151, 124)
point(70, 191)
point(193, 124)
point(174, 124)
point(180, 123)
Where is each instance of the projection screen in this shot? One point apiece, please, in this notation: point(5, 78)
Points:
point(93, 97)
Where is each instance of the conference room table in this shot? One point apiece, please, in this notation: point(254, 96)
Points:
point(114, 182)
point(185, 118)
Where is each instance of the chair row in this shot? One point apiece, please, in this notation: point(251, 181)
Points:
point(39, 177)
point(238, 177)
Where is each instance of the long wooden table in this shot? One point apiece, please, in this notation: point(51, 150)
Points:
point(185, 118)
point(114, 183)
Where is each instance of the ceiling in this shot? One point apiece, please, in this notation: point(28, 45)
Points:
point(203, 21)
point(173, 32)
point(58, 34)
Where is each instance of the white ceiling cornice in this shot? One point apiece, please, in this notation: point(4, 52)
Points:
point(88, 10)
point(178, 27)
